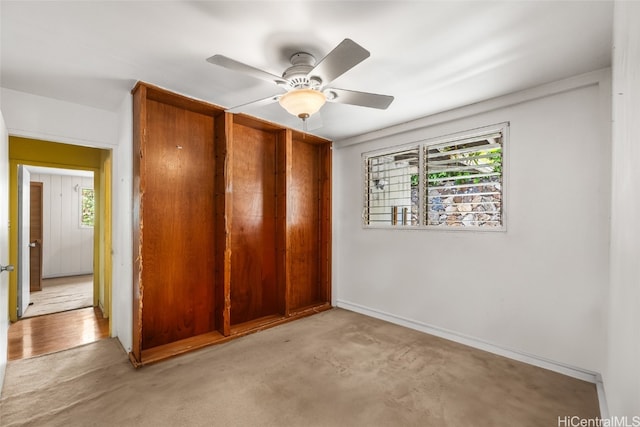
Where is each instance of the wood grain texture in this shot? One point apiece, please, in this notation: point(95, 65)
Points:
point(223, 219)
point(303, 225)
point(283, 149)
point(324, 285)
point(139, 125)
point(178, 225)
point(155, 93)
point(55, 332)
point(253, 234)
point(35, 235)
point(176, 348)
point(231, 224)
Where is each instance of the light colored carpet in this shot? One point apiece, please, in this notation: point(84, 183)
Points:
point(336, 368)
point(61, 294)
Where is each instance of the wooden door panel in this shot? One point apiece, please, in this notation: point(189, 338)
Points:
point(178, 227)
point(35, 237)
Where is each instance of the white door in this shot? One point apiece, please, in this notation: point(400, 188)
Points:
point(24, 210)
point(4, 246)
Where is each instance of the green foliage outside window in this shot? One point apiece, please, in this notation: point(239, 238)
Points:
point(454, 181)
point(488, 160)
point(88, 207)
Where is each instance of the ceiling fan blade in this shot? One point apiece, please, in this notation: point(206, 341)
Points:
point(233, 65)
point(363, 99)
point(258, 103)
point(341, 59)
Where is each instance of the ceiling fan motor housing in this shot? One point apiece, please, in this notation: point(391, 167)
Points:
point(301, 64)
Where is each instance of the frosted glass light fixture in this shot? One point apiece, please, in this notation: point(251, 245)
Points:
point(302, 102)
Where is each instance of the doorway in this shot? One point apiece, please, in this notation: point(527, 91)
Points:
point(34, 153)
point(60, 217)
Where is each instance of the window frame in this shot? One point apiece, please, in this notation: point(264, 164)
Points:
point(422, 146)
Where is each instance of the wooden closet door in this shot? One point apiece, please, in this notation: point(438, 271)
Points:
point(177, 191)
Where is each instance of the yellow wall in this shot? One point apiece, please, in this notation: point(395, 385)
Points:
point(25, 151)
point(103, 297)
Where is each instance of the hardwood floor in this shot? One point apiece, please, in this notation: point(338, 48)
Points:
point(55, 332)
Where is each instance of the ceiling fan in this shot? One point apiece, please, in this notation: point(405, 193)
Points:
point(307, 83)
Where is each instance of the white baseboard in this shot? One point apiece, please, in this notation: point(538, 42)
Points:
point(71, 274)
point(579, 373)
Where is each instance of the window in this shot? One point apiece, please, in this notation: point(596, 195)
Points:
point(87, 207)
point(464, 182)
point(392, 193)
point(453, 182)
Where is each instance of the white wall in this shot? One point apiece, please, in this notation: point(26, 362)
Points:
point(4, 246)
point(122, 297)
point(622, 374)
point(67, 248)
point(536, 289)
point(34, 116)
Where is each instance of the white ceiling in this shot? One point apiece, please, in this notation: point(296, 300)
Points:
point(432, 56)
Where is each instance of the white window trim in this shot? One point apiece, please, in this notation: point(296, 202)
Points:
point(421, 144)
